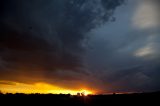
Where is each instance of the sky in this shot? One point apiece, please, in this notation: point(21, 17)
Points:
point(67, 46)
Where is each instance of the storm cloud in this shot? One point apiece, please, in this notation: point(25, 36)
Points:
point(107, 45)
point(44, 40)
point(125, 53)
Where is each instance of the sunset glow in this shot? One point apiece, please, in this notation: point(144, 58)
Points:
point(79, 47)
point(85, 92)
point(39, 87)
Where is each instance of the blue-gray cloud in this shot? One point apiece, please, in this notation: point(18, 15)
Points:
point(125, 53)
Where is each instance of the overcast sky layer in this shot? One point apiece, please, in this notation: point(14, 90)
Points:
point(107, 45)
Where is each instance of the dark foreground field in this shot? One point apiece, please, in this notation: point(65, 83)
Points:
point(68, 100)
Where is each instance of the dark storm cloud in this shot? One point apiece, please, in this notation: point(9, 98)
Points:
point(124, 55)
point(39, 38)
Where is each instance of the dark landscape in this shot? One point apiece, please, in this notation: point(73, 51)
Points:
point(89, 100)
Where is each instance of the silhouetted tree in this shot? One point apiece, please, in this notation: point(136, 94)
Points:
point(78, 94)
point(83, 94)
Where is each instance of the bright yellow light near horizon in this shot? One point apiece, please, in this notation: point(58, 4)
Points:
point(86, 92)
point(44, 88)
point(72, 92)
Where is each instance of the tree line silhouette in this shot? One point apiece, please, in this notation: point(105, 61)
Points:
point(80, 99)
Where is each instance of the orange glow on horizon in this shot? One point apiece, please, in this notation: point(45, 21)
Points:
point(39, 87)
point(85, 92)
